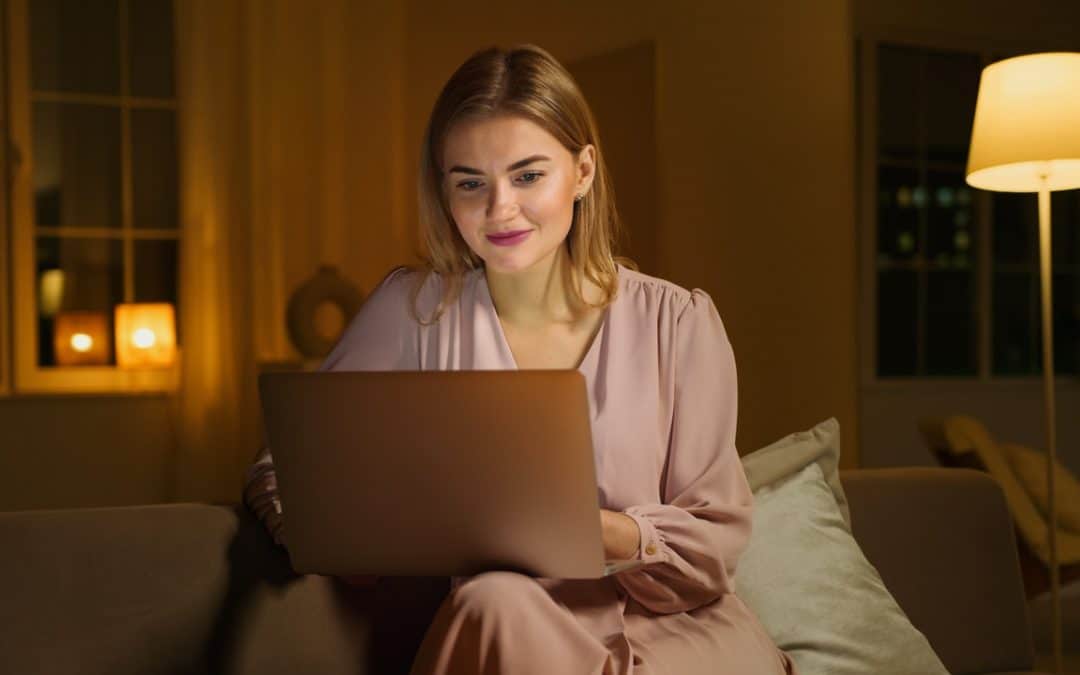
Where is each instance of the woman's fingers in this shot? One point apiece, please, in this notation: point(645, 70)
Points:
point(261, 496)
point(275, 523)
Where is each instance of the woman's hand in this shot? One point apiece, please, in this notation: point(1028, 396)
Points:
point(261, 496)
point(621, 535)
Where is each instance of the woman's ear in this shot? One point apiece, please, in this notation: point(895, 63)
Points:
point(586, 169)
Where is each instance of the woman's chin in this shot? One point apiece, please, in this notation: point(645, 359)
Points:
point(515, 261)
point(510, 262)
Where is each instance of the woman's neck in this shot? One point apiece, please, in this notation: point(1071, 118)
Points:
point(540, 295)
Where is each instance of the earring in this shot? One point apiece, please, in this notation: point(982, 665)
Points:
point(578, 198)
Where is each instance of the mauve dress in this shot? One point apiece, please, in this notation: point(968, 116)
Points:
point(662, 395)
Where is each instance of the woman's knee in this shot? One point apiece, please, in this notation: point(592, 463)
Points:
point(496, 592)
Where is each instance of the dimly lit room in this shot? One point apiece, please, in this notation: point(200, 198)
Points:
point(326, 326)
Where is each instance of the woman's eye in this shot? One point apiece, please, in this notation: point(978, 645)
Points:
point(530, 176)
point(469, 184)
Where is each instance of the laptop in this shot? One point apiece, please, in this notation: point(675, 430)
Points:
point(447, 473)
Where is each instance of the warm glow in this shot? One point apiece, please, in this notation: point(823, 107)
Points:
point(143, 338)
point(81, 342)
point(1026, 124)
point(145, 335)
point(50, 292)
point(81, 338)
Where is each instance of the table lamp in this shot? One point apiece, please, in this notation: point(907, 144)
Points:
point(145, 335)
point(1026, 138)
point(81, 338)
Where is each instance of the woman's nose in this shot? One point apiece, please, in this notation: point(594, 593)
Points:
point(502, 203)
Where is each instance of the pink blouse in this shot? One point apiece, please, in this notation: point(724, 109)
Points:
point(662, 394)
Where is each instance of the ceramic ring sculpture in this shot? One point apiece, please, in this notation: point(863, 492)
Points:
point(326, 285)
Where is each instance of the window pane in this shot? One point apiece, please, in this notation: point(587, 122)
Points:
point(950, 234)
point(952, 85)
point(154, 174)
point(76, 165)
point(1015, 323)
point(899, 95)
point(899, 200)
point(1064, 226)
point(950, 323)
point(157, 273)
point(75, 46)
point(1015, 228)
point(897, 322)
point(156, 270)
point(75, 275)
point(1066, 324)
point(151, 48)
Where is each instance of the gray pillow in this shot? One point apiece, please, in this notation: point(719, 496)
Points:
point(808, 582)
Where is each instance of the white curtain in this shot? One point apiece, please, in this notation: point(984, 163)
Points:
point(290, 131)
point(217, 420)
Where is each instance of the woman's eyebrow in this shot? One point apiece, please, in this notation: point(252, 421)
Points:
point(513, 167)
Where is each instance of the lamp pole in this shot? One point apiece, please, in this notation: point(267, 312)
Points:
point(1046, 284)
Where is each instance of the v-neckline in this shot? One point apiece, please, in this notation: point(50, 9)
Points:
point(504, 344)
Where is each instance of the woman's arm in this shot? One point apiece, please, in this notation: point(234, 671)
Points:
point(621, 535)
point(690, 542)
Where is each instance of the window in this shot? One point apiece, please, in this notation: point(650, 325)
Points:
point(954, 270)
point(95, 190)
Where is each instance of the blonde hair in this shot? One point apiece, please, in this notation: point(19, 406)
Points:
point(524, 81)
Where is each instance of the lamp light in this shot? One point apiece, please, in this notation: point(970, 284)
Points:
point(145, 335)
point(1026, 138)
point(81, 338)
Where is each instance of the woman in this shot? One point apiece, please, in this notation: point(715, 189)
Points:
point(519, 220)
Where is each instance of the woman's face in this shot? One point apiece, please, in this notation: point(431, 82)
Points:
point(510, 186)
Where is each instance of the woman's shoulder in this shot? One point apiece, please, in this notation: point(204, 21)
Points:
point(405, 281)
point(419, 290)
point(667, 295)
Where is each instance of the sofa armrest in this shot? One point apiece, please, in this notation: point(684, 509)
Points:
point(178, 588)
point(944, 544)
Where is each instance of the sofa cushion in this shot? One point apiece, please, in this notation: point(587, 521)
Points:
point(807, 580)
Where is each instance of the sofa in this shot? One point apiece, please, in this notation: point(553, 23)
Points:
point(190, 588)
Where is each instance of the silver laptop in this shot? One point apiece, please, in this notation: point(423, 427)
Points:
point(436, 473)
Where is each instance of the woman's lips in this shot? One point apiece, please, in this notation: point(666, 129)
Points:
point(508, 238)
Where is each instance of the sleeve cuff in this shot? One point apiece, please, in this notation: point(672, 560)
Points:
point(651, 549)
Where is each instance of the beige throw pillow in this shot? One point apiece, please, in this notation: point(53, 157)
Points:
point(1030, 468)
point(805, 577)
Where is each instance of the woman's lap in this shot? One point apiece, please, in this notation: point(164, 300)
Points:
point(506, 622)
point(722, 637)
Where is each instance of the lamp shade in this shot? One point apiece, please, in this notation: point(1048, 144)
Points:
point(1027, 124)
point(145, 335)
point(81, 338)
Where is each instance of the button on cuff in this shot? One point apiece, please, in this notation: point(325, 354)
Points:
point(650, 549)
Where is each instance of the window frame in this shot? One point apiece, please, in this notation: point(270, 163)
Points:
point(866, 46)
point(28, 376)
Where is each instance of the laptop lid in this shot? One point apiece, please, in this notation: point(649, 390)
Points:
point(435, 473)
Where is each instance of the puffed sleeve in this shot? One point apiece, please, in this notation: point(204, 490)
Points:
point(382, 336)
point(692, 541)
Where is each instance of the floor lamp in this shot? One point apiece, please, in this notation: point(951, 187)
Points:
point(1026, 138)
